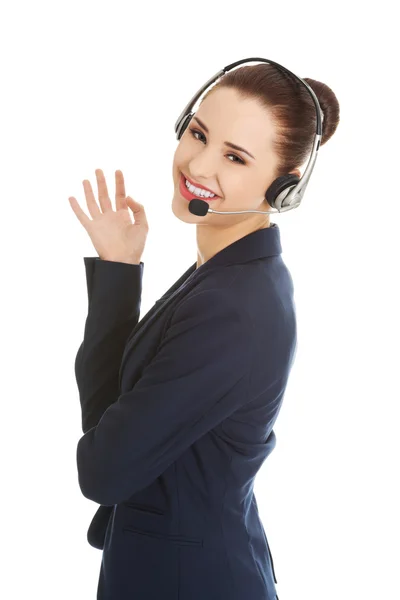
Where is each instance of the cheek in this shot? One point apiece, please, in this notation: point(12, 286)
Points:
point(176, 163)
point(179, 158)
point(236, 186)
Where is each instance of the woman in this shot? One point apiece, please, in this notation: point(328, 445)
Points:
point(178, 408)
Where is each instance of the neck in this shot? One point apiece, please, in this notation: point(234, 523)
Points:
point(211, 240)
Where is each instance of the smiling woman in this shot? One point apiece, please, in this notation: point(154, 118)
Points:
point(269, 119)
point(178, 408)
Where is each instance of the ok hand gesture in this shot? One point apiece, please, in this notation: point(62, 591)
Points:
point(113, 234)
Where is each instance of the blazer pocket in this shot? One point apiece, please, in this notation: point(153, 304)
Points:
point(144, 508)
point(180, 540)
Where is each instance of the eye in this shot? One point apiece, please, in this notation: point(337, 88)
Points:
point(193, 133)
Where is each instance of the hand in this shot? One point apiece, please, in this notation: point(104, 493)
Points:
point(113, 234)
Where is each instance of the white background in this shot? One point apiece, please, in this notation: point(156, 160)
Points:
point(88, 85)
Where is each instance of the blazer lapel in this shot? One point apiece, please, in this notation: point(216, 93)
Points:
point(156, 310)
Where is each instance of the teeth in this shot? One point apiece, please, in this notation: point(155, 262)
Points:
point(198, 191)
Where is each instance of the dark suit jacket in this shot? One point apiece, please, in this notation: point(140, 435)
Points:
point(177, 416)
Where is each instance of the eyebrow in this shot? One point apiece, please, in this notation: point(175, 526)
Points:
point(234, 146)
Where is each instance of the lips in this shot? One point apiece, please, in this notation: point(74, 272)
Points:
point(199, 186)
point(189, 195)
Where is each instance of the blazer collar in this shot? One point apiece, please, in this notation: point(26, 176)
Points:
point(258, 244)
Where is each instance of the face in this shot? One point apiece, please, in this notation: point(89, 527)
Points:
point(239, 180)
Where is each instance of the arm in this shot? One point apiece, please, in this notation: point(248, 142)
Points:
point(199, 376)
point(114, 297)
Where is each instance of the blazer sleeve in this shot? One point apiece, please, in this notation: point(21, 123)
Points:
point(198, 377)
point(114, 297)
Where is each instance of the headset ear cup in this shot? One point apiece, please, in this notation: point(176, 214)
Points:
point(279, 185)
point(185, 122)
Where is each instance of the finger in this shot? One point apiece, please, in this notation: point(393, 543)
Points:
point(82, 216)
point(90, 199)
point(120, 193)
point(138, 211)
point(104, 199)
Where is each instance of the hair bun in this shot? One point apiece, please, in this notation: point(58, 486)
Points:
point(329, 106)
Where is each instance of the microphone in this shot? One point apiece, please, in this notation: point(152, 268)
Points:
point(200, 208)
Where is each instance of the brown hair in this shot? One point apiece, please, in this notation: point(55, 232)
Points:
point(291, 106)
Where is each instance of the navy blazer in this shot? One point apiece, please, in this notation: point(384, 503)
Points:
point(177, 416)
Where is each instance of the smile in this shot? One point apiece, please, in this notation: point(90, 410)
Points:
point(199, 186)
point(186, 193)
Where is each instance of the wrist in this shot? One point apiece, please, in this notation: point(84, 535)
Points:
point(128, 261)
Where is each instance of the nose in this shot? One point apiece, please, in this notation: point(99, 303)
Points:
point(202, 167)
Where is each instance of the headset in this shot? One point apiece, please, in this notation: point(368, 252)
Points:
point(285, 192)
